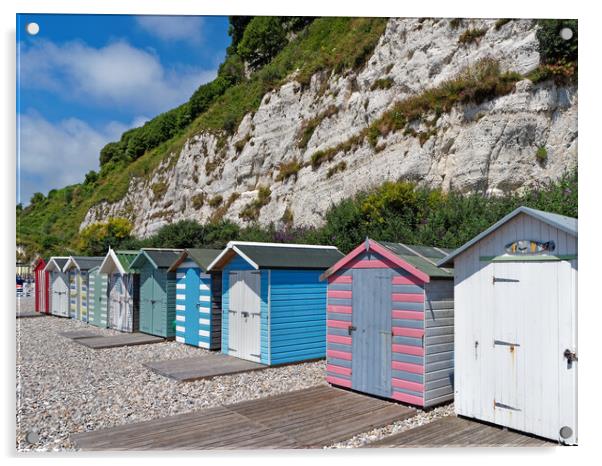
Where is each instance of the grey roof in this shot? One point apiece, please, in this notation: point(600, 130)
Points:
point(202, 257)
point(60, 261)
point(161, 258)
point(86, 263)
point(563, 223)
point(424, 258)
point(279, 257)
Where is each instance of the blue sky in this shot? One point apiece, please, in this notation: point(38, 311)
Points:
point(84, 79)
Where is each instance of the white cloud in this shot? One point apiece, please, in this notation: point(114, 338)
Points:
point(53, 155)
point(117, 75)
point(173, 28)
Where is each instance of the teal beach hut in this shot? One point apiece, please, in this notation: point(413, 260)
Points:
point(157, 291)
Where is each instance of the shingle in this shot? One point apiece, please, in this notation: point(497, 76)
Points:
point(285, 257)
point(126, 258)
point(86, 263)
point(203, 257)
point(424, 258)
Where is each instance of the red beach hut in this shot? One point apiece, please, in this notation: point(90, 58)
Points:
point(42, 280)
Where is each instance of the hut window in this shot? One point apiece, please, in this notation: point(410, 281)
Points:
point(526, 247)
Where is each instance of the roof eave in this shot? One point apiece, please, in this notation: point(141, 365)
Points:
point(70, 262)
point(231, 247)
point(142, 253)
point(111, 257)
point(179, 260)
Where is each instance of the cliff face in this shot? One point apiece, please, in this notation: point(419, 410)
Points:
point(489, 147)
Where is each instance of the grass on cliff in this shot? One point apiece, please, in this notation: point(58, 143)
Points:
point(328, 44)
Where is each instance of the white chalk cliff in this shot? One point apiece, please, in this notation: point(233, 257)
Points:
point(487, 148)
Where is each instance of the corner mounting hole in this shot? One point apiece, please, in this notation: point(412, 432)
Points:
point(566, 33)
point(32, 28)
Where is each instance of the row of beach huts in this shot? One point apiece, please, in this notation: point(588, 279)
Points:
point(491, 325)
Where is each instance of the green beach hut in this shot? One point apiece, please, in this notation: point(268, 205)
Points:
point(157, 291)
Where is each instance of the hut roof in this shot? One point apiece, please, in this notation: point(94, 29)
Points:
point(563, 223)
point(202, 257)
point(159, 258)
point(420, 261)
point(56, 263)
point(118, 260)
point(424, 258)
point(82, 262)
point(278, 255)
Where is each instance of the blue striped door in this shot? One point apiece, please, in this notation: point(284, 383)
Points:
point(371, 342)
point(191, 333)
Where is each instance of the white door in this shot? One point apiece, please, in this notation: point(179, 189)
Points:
point(529, 362)
point(60, 306)
point(244, 315)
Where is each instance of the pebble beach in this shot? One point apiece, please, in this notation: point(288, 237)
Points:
point(64, 388)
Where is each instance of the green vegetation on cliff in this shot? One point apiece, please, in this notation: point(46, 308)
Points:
point(394, 211)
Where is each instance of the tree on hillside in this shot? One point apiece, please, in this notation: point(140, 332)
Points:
point(96, 238)
point(36, 198)
point(263, 38)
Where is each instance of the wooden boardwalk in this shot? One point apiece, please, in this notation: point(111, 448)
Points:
point(79, 334)
point(202, 367)
point(310, 418)
point(29, 314)
point(114, 341)
point(454, 431)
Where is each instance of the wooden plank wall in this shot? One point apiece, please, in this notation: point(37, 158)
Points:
point(297, 325)
point(439, 341)
point(338, 339)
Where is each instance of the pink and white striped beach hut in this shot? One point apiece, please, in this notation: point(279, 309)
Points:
point(390, 323)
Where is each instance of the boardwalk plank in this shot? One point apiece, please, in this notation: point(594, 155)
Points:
point(202, 367)
point(78, 334)
point(453, 431)
point(313, 417)
point(115, 341)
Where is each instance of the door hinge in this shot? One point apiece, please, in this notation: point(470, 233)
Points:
point(350, 329)
point(504, 280)
point(504, 343)
point(504, 406)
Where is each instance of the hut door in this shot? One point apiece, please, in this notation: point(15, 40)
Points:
point(146, 298)
point(244, 315)
point(525, 346)
point(160, 323)
point(62, 302)
point(114, 304)
point(371, 339)
point(191, 322)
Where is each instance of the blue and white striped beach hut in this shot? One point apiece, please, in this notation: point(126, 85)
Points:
point(198, 299)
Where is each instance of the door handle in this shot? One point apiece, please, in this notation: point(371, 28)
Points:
point(244, 314)
point(571, 356)
point(350, 329)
